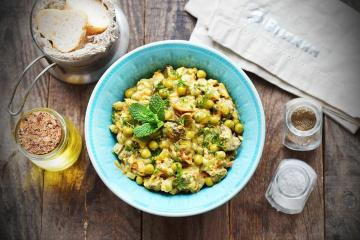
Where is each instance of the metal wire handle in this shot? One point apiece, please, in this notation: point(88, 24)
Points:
point(10, 106)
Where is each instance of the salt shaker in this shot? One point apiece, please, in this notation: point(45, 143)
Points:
point(302, 125)
point(291, 186)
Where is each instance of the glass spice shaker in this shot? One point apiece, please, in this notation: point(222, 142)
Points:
point(49, 140)
point(303, 125)
point(291, 186)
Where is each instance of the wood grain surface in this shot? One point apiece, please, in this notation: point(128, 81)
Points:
point(75, 204)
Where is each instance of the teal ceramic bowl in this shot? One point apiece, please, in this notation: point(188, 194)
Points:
point(140, 63)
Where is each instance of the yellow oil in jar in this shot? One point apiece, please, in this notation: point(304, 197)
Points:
point(66, 153)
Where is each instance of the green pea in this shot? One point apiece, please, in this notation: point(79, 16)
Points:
point(214, 120)
point(220, 155)
point(128, 131)
point(149, 169)
point(181, 90)
point(239, 128)
point(168, 83)
point(213, 147)
point(209, 182)
point(208, 104)
point(153, 145)
point(164, 144)
point(190, 134)
point(229, 124)
point(176, 166)
point(139, 180)
point(145, 153)
point(201, 74)
point(198, 159)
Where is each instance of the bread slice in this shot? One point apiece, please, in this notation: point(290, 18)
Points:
point(66, 29)
point(98, 15)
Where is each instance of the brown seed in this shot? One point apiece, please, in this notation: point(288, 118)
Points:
point(39, 133)
point(303, 118)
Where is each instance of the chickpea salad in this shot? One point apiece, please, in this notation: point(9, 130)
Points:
point(177, 131)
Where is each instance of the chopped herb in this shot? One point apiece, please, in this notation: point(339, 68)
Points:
point(180, 182)
point(181, 83)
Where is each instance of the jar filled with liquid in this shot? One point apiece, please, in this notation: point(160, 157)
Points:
point(48, 140)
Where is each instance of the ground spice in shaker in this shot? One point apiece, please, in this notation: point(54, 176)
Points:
point(303, 118)
point(39, 133)
point(302, 125)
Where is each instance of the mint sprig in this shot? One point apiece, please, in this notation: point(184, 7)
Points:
point(151, 116)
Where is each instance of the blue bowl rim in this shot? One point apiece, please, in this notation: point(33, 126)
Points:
point(202, 210)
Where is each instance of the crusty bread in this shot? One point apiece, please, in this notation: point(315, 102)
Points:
point(66, 29)
point(98, 17)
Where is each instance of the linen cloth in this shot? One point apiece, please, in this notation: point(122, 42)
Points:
point(309, 48)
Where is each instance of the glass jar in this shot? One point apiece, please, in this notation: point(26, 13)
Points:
point(299, 140)
point(291, 186)
point(65, 154)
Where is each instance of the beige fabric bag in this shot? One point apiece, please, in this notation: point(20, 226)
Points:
point(309, 48)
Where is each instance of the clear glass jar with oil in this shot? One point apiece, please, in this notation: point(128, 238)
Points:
point(65, 154)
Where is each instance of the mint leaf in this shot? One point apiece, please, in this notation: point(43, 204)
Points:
point(157, 106)
point(144, 130)
point(141, 113)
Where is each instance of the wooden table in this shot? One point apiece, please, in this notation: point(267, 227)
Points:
point(75, 204)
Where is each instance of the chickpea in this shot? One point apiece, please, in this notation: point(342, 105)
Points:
point(128, 131)
point(149, 169)
point(147, 92)
point(181, 90)
point(118, 106)
point(230, 124)
point(145, 153)
point(153, 145)
point(198, 159)
point(136, 96)
point(209, 182)
point(239, 128)
point(201, 74)
point(214, 120)
point(130, 92)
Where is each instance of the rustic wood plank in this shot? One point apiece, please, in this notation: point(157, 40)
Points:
point(168, 20)
point(20, 181)
point(76, 203)
point(342, 182)
point(251, 217)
